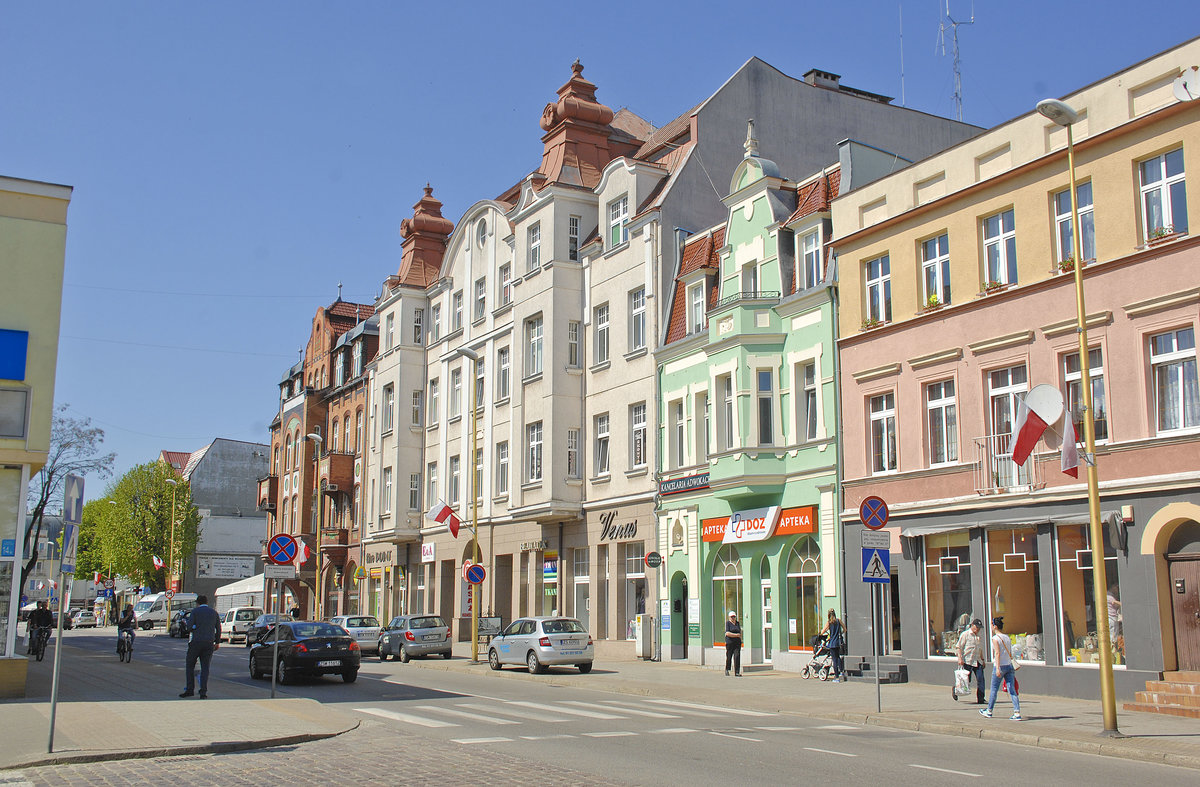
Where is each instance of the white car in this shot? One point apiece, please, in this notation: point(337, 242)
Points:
point(364, 629)
point(84, 619)
point(542, 642)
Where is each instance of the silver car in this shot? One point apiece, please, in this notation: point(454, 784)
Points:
point(542, 642)
point(364, 629)
point(414, 635)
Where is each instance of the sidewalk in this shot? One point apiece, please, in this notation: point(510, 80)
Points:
point(108, 717)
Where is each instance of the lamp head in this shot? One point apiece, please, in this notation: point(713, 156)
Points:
point(1058, 111)
point(315, 437)
point(467, 353)
point(172, 482)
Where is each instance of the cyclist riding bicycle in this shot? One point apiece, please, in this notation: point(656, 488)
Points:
point(41, 621)
point(127, 623)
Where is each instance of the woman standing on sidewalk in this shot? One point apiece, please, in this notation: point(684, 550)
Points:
point(837, 638)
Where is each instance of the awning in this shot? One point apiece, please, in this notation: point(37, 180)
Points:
point(1107, 518)
point(248, 585)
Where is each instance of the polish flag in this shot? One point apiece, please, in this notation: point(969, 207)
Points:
point(444, 514)
point(97, 579)
point(1028, 431)
point(158, 563)
point(303, 553)
point(1070, 451)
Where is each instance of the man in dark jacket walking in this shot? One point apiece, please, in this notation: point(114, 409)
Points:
point(205, 626)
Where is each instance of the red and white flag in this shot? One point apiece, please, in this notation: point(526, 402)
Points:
point(97, 578)
point(303, 553)
point(1070, 451)
point(158, 563)
point(1027, 432)
point(440, 512)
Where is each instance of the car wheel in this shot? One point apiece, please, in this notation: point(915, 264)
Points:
point(585, 668)
point(493, 659)
point(282, 674)
point(534, 665)
point(349, 676)
point(382, 655)
point(255, 672)
point(404, 657)
point(447, 655)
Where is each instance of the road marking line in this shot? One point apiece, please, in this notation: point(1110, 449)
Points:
point(391, 714)
point(737, 711)
point(827, 751)
point(522, 715)
point(555, 709)
point(546, 737)
point(779, 729)
point(945, 770)
point(671, 730)
point(608, 734)
point(466, 715)
point(637, 712)
point(481, 740)
point(838, 727)
point(739, 737)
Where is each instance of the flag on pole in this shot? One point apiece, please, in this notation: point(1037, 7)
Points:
point(1070, 451)
point(303, 553)
point(158, 563)
point(1027, 432)
point(440, 512)
point(97, 579)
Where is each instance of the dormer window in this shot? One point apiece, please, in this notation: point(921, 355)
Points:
point(339, 375)
point(534, 258)
point(696, 308)
point(358, 358)
point(810, 260)
point(618, 222)
point(573, 238)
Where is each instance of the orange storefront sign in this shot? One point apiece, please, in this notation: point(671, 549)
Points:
point(792, 521)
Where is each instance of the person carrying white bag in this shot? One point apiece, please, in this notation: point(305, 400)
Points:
point(970, 662)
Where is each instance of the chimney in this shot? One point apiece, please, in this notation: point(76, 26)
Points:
point(826, 79)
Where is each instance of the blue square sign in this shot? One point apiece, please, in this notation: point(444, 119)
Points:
point(876, 565)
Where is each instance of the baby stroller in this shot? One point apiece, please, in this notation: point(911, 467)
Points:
point(821, 665)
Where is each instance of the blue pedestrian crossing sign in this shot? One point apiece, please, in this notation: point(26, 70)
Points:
point(876, 565)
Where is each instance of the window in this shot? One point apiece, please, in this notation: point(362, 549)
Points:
point(573, 238)
point(477, 479)
point(389, 330)
point(935, 266)
point(883, 433)
point(502, 467)
point(533, 464)
point(1073, 377)
point(1176, 392)
point(600, 326)
point(727, 588)
point(637, 434)
point(418, 407)
point(750, 279)
point(810, 259)
point(1000, 248)
point(637, 319)
point(502, 368)
point(435, 328)
point(359, 445)
point(456, 311)
point(432, 480)
point(414, 492)
point(804, 594)
point(581, 575)
point(879, 289)
point(766, 401)
point(678, 435)
point(618, 222)
point(389, 395)
point(943, 422)
point(418, 326)
point(1076, 556)
point(358, 358)
point(346, 434)
point(455, 473)
point(533, 346)
point(455, 408)
point(339, 369)
point(387, 490)
point(725, 421)
point(635, 584)
point(1014, 589)
point(433, 402)
point(505, 284)
point(481, 232)
point(808, 401)
point(702, 434)
point(333, 436)
point(573, 453)
point(533, 260)
point(480, 299)
point(479, 374)
point(948, 589)
point(573, 354)
point(1164, 198)
point(696, 320)
point(1004, 386)
point(1062, 222)
point(601, 444)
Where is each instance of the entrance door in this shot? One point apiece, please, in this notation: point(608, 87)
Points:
point(891, 612)
point(767, 608)
point(1185, 603)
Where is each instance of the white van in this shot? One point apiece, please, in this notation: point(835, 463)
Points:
point(237, 621)
point(151, 610)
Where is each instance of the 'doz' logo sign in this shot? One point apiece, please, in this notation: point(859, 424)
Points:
point(756, 524)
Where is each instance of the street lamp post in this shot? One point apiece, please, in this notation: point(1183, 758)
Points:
point(475, 489)
point(318, 441)
point(171, 554)
point(1063, 115)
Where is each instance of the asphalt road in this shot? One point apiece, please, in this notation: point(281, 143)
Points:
point(517, 731)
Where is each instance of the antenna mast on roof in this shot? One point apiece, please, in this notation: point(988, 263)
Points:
point(340, 286)
point(901, 9)
point(957, 60)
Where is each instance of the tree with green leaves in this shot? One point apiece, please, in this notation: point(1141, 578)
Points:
point(137, 526)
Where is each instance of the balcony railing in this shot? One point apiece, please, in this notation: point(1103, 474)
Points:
point(749, 295)
point(268, 493)
point(337, 471)
point(995, 470)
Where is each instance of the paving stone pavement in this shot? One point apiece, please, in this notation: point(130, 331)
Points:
point(359, 756)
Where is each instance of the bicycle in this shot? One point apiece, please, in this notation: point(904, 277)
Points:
point(125, 645)
point(41, 636)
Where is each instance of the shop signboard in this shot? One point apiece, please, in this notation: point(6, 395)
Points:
point(693, 608)
point(550, 566)
point(759, 524)
point(675, 486)
point(428, 553)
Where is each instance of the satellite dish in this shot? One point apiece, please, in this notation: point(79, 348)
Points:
point(1187, 84)
point(1046, 403)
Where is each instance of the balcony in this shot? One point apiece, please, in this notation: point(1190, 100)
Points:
point(335, 537)
point(337, 472)
point(755, 297)
point(268, 493)
point(995, 471)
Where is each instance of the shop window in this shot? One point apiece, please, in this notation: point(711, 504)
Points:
point(727, 590)
point(804, 594)
point(635, 584)
point(581, 578)
point(1014, 589)
point(1079, 627)
point(947, 589)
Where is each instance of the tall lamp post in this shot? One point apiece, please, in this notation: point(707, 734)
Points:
point(473, 357)
point(171, 556)
point(1063, 115)
point(318, 441)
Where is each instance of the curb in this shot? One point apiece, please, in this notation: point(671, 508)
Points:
point(217, 747)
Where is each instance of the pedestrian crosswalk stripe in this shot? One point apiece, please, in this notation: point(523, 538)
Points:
point(523, 715)
point(482, 740)
point(670, 730)
point(838, 727)
point(391, 714)
point(739, 737)
point(466, 715)
point(546, 737)
point(572, 711)
point(622, 708)
point(608, 734)
point(779, 729)
point(692, 705)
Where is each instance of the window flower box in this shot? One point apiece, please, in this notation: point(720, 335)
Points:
point(993, 287)
point(932, 304)
point(870, 323)
point(1162, 235)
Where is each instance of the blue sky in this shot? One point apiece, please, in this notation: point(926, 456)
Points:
point(233, 162)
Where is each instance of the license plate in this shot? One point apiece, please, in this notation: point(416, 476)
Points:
point(431, 637)
point(570, 643)
point(572, 652)
point(333, 663)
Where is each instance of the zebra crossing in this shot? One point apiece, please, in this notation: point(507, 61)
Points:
point(493, 712)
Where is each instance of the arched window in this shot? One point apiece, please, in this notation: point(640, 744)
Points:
point(804, 593)
point(284, 529)
point(287, 461)
point(358, 432)
point(346, 433)
point(333, 436)
point(727, 589)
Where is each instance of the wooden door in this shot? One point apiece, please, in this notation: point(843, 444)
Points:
point(1185, 602)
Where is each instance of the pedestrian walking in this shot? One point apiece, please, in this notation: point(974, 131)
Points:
point(836, 634)
point(733, 645)
point(205, 626)
point(1005, 670)
point(971, 658)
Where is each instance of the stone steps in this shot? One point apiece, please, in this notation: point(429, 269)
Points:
point(892, 669)
point(1177, 694)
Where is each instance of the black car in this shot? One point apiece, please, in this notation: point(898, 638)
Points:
point(306, 647)
point(262, 624)
point(179, 625)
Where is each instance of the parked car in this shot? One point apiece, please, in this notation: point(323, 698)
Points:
point(541, 642)
point(179, 625)
point(66, 621)
point(262, 624)
point(414, 635)
point(364, 629)
point(307, 647)
point(237, 622)
point(84, 619)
